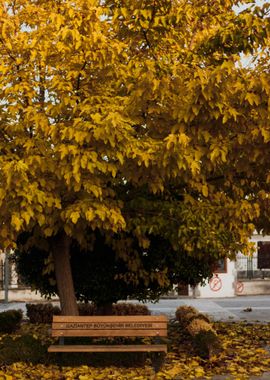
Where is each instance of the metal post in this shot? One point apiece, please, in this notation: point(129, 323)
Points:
point(62, 340)
point(249, 268)
point(6, 277)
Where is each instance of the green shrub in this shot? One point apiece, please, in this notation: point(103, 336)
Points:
point(192, 317)
point(41, 312)
point(204, 337)
point(186, 314)
point(10, 320)
point(87, 309)
point(183, 310)
point(206, 343)
point(124, 308)
point(199, 327)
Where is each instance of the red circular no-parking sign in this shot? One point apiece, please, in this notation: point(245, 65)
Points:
point(239, 287)
point(215, 284)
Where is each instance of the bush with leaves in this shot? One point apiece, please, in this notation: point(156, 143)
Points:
point(10, 320)
point(183, 313)
point(124, 308)
point(206, 341)
point(43, 313)
point(186, 314)
point(199, 327)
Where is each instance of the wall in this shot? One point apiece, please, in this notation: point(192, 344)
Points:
point(254, 287)
point(221, 285)
point(21, 295)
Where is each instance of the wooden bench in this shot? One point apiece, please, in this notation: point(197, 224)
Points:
point(109, 326)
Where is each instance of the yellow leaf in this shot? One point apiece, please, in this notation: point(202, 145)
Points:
point(74, 216)
point(253, 98)
point(124, 12)
point(26, 217)
point(41, 219)
point(205, 190)
point(16, 222)
point(89, 215)
point(183, 139)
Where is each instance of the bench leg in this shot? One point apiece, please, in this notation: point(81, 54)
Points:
point(61, 340)
point(157, 360)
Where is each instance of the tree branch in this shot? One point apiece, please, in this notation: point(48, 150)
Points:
point(79, 78)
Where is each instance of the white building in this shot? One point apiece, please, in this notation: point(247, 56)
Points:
point(248, 275)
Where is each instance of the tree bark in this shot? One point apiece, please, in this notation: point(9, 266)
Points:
point(63, 274)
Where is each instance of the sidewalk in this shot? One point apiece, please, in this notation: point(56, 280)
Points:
point(252, 309)
point(206, 306)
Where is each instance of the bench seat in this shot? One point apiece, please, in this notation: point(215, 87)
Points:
point(110, 348)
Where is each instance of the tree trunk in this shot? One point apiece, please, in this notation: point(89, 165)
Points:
point(63, 274)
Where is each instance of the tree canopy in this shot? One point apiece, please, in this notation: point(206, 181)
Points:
point(134, 116)
point(103, 278)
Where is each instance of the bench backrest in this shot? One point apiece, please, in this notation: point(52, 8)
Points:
point(112, 326)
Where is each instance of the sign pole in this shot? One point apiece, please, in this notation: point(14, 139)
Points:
point(6, 277)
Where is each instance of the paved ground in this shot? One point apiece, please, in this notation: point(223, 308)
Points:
point(241, 308)
point(256, 308)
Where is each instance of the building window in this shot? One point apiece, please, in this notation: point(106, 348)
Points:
point(263, 254)
point(221, 266)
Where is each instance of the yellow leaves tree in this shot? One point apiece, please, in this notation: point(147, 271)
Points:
point(62, 125)
point(150, 96)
